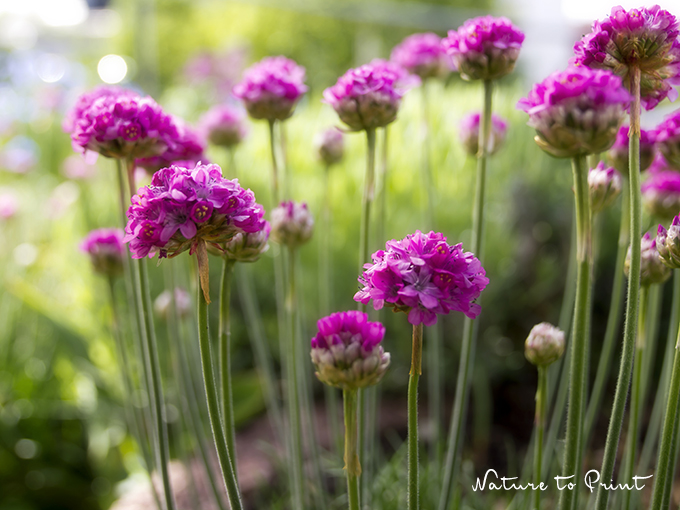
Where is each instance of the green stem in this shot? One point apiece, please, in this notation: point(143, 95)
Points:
point(541, 408)
point(295, 470)
point(414, 375)
point(630, 325)
point(580, 336)
point(352, 464)
point(367, 200)
point(276, 192)
point(613, 320)
point(225, 359)
point(467, 352)
point(210, 384)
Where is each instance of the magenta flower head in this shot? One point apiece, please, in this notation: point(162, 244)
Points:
point(271, 88)
point(248, 247)
point(422, 55)
point(330, 146)
point(224, 125)
point(484, 48)
point(163, 302)
point(183, 145)
point(618, 154)
point(85, 100)
point(605, 185)
point(667, 137)
point(369, 96)
point(645, 38)
point(123, 126)
point(469, 133)
point(106, 250)
point(668, 244)
point(346, 351)
point(423, 276)
point(544, 345)
point(652, 268)
point(577, 111)
point(292, 224)
point(661, 193)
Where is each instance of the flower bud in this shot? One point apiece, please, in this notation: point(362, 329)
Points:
point(247, 247)
point(330, 146)
point(291, 224)
point(182, 303)
point(652, 268)
point(346, 351)
point(544, 345)
point(469, 133)
point(605, 185)
point(668, 244)
point(105, 248)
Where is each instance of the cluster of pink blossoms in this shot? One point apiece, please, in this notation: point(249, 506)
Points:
point(661, 190)
point(271, 88)
point(425, 277)
point(224, 125)
point(667, 138)
point(182, 207)
point(469, 133)
point(182, 145)
point(106, 250)
point(422, 55)
point(85, 100)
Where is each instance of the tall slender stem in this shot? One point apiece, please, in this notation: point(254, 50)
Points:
point(225, 359)
point(414, 375)
point(276, 191)
point(352, 464)
point(210, 384)
point(630, 325)
point(296, 471)
point(541, 411)
point(580, 336)
point(467, 352)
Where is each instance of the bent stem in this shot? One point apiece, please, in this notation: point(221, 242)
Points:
point(580, 336)
point(224, 335)
point(414, 375)
point(630, 325)
point(352, 464)
point(467, 352)
point(541, 408)
point(210, 384)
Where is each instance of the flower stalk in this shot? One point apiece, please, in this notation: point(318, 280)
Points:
point(352, 464)
point(224, 335)
point(541, 413)
point(414, 376)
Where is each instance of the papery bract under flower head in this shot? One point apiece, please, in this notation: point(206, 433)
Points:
point(183, 145)
point(346, 351)
point(123, 126)
point(577, 111)
point(484, 48)
point(652, 268)
point(369, 96)
point(292, 224)
point(106, 250)
point(661, 193)
point(605, 184)
point(422, 55)
point(423, 276)
point(646, 38)
point(469, 133)
point(184, 206)
point(618, 155)
point(248, 247)
point(224, 125)
point(271, 87)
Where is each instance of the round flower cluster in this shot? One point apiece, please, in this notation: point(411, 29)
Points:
point(484, 48)
point(422, 55)
point(183, 305)
point(106, 250)
point(346, 351)
point(292, 224)
point(645, 38)
point(668, 244)
point(544, 345)
point(577, 111)
point(224, 126)
point(618, 154)
point(367, 97)
point(182, 207)
point(469, 133)
point(123, 126)
point(605, 185)
point(661, 193)
point(183, 145)
point(423, 276)
point(652, 268)
point(271, 88)
point(667, 138)
point(247, 247)
point(85, 100)
point(330, 146)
